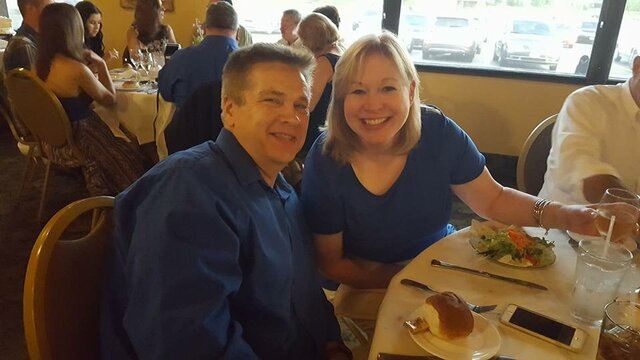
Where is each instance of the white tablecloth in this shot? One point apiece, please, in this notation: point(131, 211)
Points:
point(401, 300)
point(136, 111)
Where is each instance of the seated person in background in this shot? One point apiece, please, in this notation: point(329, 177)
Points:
point(22, 47)
point(147, 31)
point(197, 121)
point(594, 144)
point(109, 164)
point(377, 185)
point(320, 36)
point(212, 257)
point(243, 36)
point(191, 67)
point(93, 37)
point(331, 12)
point(289, 28)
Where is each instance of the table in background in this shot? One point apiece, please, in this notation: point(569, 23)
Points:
point(136, 111)
point(400, 300)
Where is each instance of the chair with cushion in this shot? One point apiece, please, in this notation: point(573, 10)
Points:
point(63, 283)
point(532, 162)
point(42, 114)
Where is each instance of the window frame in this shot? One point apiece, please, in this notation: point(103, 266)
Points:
point(600, 62)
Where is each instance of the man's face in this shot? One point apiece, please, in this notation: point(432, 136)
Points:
point(271, 124)
point(287, 26)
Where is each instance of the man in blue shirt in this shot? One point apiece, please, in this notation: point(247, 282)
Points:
point(212, 257)
point(189, 68)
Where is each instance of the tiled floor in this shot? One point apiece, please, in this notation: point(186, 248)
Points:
point(19, 229)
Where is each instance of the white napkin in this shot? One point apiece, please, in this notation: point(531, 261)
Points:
point(124, 74)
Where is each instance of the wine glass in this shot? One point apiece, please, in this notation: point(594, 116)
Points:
point(135, 57)
point(622, 204)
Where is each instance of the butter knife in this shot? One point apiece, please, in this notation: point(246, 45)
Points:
point(387, 356)
point(446, 265)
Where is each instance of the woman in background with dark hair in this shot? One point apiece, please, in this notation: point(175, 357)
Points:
point(93, 38)
point(109, 164)
point(147, 30)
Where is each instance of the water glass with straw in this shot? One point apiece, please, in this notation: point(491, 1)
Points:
point(602, 264)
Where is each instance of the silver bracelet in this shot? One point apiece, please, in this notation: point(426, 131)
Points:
point(538, 211)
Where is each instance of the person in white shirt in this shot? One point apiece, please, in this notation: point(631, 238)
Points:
point(594, 144)
point(289, 28)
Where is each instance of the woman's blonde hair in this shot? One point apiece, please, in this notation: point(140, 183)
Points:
point(317, 33)
point(340, 141)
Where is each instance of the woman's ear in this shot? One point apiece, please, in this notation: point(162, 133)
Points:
point(412, 90)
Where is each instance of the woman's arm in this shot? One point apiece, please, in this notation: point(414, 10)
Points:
point(491, 200)
point(132, 40)
point(321, 76)
point(171, 37)
point(101, 90)
point(358, 273)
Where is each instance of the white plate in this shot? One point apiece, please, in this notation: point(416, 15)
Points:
point(483, 343)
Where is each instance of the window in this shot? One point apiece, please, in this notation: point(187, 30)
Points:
point(14, 11)
point(508, 35)
point(262, 18)
point(628, 44)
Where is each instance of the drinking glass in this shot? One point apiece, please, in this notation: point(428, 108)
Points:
point(599, 269)
point(622, 204)
point(135, 57)
point(620, 332)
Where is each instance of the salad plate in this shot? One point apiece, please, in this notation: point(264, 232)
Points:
point(511, 245)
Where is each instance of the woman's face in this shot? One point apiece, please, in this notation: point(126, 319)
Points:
point(378, 102)
point(93, 25)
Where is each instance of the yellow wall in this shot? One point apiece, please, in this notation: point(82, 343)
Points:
point(497, 113)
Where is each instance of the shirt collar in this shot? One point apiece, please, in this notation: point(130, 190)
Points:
point(243, 165)
point(28, 32)
point(628, 103)
point(219, 39)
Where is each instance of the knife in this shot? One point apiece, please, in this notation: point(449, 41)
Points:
point(445, 265)
point(387, 356)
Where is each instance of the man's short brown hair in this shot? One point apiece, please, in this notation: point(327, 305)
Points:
point(235, 75)
point(221, 16)
point(22, 4)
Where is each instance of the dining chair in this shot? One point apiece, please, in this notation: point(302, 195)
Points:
point(25, 141)
point(532, 162)
point(63, 283)
point(42, 114)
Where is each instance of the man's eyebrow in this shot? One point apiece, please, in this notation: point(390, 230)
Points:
point(271, 92)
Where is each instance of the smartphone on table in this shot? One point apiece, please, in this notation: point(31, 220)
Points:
point(544, 327)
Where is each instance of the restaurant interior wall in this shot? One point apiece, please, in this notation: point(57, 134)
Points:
point(498, 113)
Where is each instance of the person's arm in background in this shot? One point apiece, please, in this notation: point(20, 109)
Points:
point(171, 37)
point(321, 76)
point(580, 125)
point(101, 90)
point(183, 265)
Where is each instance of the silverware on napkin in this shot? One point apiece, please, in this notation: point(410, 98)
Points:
point(445, 265)
point(421, 286)
point(387, 356)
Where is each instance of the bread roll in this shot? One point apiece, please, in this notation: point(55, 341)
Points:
point(448, 316)
point(130, 84)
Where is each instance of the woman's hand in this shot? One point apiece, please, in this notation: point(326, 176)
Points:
point(112, 54)
point(92, 59)
point(580, 219)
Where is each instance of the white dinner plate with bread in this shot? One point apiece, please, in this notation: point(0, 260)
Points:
point(448, 329)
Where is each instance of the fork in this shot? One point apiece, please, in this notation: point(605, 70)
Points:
point(475, 308)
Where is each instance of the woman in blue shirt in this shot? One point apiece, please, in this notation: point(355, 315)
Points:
point(378, 183)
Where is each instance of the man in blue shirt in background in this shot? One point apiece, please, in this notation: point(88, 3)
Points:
point(212, 257)
point(194, 66)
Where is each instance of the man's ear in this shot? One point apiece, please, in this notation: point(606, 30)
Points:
point(228, 108)
point(636, 66)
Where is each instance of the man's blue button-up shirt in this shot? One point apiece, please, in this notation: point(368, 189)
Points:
point(211, 262)
point(194, 66)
